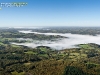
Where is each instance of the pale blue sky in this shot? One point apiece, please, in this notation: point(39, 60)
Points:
point(51, 13)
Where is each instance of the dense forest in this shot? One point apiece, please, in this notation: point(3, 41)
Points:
point(43, 60)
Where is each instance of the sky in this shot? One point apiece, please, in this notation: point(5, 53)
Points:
point(51, 13)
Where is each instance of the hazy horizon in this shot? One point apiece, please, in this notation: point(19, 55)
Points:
point(41, 26)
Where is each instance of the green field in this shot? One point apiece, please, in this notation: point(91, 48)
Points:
point(16, 73)
point(30, 52)
point(85, 46)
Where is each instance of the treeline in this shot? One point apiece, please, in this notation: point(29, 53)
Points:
point(73, 30)
point(31, 35)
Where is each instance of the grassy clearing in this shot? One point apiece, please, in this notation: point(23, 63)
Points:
point(13, 53)
point(1, 43)
point(43, 49)
point(71, 57)
point(26, 64)
point(16, 73)
point(92, 63)
point(85, 46)
point(30, 52)
point(62, 54)
point(74, 54)
point(15, 45)
point(2, 39)
point(84, 55)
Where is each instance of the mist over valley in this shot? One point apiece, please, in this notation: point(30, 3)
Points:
point(71, 40)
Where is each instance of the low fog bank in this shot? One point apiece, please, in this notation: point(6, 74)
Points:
point(58, 45)
point(70, 42)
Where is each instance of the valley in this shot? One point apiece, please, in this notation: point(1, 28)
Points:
point(48, 53)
